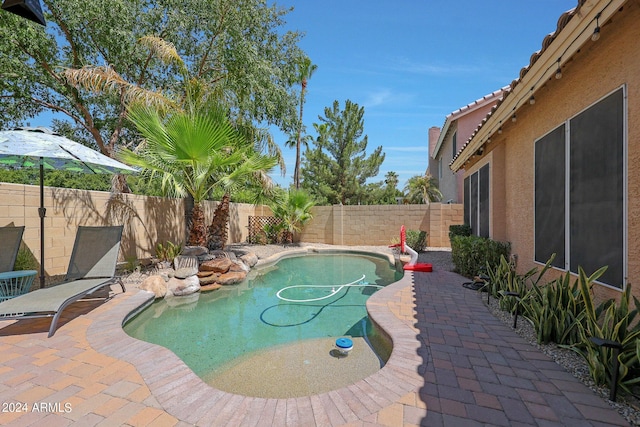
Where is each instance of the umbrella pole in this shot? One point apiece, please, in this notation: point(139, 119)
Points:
point(42, 212)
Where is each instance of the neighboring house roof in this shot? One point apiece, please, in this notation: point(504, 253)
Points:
point(460, 112)
point(575, 28)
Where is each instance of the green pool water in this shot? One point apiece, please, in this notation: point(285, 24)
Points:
point(209, 331)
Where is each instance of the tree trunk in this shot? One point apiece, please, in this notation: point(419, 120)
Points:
point(198, 231)
point(119, 184)
point(188, 214)
point(219, 225)
point(296, 172)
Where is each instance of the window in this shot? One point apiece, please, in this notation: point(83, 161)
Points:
point(476, 201)
point(580, 192)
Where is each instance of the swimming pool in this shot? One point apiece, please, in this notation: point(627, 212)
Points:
point(238, 335)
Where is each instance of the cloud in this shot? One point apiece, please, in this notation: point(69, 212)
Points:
point(378, 98)
point(427, 68)
point(386, 96)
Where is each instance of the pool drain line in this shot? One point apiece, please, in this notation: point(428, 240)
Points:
point(334, 290)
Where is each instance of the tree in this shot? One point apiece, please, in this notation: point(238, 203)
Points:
point(337, 168)
point(293, 210)
point(391, 191)
point(422, 189)
point(256, 182)
point(236, 45)
point(194, 151)
point(305, 70)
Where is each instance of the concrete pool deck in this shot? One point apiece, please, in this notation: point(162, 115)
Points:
point(453, 364)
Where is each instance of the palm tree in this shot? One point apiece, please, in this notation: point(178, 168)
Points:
point(305, 71)
point(193, 93)
point(194, 151)
point(294, 210)
point(422, 189)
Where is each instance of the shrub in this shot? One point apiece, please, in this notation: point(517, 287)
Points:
point(25, 259)
point(417, 240)
point(459, 230)
point(472, 254)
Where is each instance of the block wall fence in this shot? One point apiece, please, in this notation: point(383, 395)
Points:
point(151, 220)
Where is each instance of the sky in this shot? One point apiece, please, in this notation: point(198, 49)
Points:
point(409, 63)
point(412, 62)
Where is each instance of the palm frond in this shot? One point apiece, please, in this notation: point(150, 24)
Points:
point(106, 79)
point(163, 50)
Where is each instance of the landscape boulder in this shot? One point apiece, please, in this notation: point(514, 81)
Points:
point(218, 265)
point(250, 259)
point(194, 251)
point(155, 284)
point(184, 272)
point(180, 287)
point(239, 266)
point(231, 278)
point(208, 280)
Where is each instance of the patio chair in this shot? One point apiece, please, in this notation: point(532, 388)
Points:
point(91, 267)
point(12, 283)
point(10, 238)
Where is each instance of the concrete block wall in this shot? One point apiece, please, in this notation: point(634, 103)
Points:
point(147, 220)
point(380, 224)
point(152, 220)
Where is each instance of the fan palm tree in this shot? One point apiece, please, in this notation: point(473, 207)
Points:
point(294, 210)
point(194, 151)
point(305, 71)
point(193, 93)
point(422, 189)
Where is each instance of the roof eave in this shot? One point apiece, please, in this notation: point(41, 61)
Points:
point(567, 41)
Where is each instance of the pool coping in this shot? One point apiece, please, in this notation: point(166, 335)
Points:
point(170, 379)
point(310, 250)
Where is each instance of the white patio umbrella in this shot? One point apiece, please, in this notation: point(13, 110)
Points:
point(40, 147)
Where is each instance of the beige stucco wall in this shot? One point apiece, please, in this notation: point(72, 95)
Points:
point(597, 70)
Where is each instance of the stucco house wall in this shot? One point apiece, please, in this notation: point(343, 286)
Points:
point(461, 124)
point(597, 69)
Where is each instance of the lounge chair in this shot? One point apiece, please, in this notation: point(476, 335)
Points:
point(12, 283)
point(10, 238)
point(91, 267)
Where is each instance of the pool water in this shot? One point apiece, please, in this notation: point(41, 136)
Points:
point(213, 332)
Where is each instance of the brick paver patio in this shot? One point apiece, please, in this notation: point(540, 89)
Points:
point(453, 364)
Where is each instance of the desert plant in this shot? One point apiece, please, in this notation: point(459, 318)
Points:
point(611, 321)
point(417, 240)
point(293, 211)
point(503, 279)
point(168, 251)
point(554, 309)
point(470, 254)
point(273, 232)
